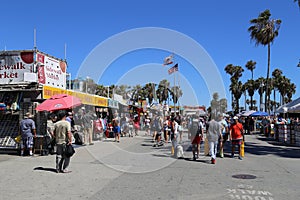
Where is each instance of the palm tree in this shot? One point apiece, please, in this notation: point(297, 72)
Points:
point(235, 72)
point(276, 74)
point(176, 93)
point(261, 83)
point(122, 90)
point(229, 70)
point(251, 65)
point(149, 92)
point(251, 87)
point(283, 85)
point(136, 93)
point(263, 31)
point(162, 91)
point(236, 88)
point(291, 89)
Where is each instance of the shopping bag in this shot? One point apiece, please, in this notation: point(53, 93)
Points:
point(69, 151)
point(18, 139)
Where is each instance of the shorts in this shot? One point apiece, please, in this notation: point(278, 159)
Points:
point(27, 142)
point(237, 142)
point(157, 135)
point(196, 139)
point(225, 137)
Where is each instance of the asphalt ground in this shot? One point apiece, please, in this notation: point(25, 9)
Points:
point(134, 169)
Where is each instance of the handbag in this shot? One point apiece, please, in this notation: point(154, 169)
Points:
point(69, 151)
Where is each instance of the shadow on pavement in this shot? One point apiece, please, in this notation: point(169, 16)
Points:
point(282, 151)
point(161, 155)
point(45, 169)
point(201, 161)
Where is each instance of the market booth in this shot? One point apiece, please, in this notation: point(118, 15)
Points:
point(23, 74)
point(27, 78)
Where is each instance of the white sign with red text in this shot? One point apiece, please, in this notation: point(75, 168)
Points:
point(51, 71)
point(13, 65)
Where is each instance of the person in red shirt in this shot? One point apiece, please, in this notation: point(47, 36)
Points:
point(236, 136)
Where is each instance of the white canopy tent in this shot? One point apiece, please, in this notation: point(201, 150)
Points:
point(294, 109)
point(286, 107)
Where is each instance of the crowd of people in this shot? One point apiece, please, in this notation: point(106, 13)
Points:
point(212, 132)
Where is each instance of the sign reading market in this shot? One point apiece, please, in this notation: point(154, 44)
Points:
point(14, 64)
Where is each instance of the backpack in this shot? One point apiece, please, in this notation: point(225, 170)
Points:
point(199, 129)
point(195, 128)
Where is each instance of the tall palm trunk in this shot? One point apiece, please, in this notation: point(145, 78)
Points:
point(251, 102)
point(267, 81)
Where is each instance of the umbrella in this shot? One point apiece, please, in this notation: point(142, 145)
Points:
point(59, 102)
point(259, 113)
point(248, 113)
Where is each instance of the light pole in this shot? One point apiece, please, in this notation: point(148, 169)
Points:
point(86, 84)
point(107, 91)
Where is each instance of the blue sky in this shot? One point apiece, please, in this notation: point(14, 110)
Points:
point(219, 27)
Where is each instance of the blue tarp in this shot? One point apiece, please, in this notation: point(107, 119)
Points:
point(259, 113)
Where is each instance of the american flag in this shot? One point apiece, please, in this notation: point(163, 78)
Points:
point(173, 69)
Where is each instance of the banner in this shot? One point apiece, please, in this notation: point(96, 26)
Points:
point(51, 71)
point(13, 66)
point(87, 99)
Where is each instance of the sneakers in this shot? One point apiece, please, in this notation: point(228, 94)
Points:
point(213, 161)
point(240, 157)
point(65, 171)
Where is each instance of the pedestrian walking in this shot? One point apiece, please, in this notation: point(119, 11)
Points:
point(136, 124)
point(174, 135)
point(157, 126)
point(178, 119)
point(117, 130)
point(63, 136)
point(147, 125)
point(196, 131)
point(27, 132)
point(87, 124)
point(225, 133)
point(214, 132)
point(236, 136)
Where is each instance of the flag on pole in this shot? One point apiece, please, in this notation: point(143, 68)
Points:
point(168, 60)
point(173, 69)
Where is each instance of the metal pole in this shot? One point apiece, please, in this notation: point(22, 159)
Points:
point(70, 80)
point(107, 91)
point(174, 93)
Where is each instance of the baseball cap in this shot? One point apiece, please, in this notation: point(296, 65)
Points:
point(235, 117)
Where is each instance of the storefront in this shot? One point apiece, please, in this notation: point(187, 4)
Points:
point(23, 74)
